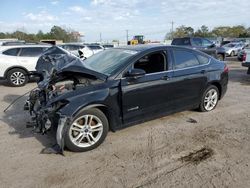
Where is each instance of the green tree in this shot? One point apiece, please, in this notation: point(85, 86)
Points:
point(203, 32)
point(183, 31)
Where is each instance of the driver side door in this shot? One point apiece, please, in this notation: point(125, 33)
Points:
point(147, 95)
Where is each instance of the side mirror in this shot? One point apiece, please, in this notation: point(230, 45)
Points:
point(135, 73)
point(212, 45)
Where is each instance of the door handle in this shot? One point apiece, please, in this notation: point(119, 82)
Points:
point(165, 77)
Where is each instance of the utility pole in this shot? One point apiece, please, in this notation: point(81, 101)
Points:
point(127, 35)
point(172, 30)
point(100, 38)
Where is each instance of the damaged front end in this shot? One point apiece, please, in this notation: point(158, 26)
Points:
point(61, 75)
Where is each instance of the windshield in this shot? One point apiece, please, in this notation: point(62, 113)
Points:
point(108, 61)
point(230, 45)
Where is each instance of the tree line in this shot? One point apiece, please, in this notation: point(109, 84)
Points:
point(221, 31)
point(68, 35)
point(55, 33)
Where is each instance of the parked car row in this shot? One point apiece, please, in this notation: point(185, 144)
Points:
point(201, 44)
point(84, 51)
point(233, 49)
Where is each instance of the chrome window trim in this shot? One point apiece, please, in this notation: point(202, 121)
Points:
point(168, 71)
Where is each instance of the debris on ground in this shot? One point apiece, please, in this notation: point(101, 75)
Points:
point(198, 156)
point(191, 120)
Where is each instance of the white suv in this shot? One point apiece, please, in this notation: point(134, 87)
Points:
point(16, 62)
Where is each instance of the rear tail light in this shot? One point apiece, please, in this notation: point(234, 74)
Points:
point(244, 56)
point(226, 69)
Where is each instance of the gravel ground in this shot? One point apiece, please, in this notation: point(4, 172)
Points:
point(187, 149)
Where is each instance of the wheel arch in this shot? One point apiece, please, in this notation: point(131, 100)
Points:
point(218, 85)
point(14, 67)
point(223, 55)
point(104, 109)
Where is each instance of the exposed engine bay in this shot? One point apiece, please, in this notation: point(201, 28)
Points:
point(60, 74)
point(39, 105)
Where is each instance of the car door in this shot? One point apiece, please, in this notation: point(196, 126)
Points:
point(148, 95)
point(28, 57)
point(190, 78)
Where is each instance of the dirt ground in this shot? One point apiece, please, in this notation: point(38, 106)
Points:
point(187, 149)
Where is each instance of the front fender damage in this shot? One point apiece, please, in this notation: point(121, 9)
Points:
point(58, 148)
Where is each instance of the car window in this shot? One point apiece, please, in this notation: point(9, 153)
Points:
point(181, 41)
point(202, 59)
point(184, 59)
point(31, 52)
point(95, 47)
point(206, 43)
point(152, 63)
point(12, 52)
point(197, 42)
point(73, 47)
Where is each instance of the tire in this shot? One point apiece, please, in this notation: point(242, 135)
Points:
point(232, 54)
point(208, 102)
point(78, 134)
point(17, 77)
point(220, 57)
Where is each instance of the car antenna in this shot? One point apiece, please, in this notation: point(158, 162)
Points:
point(13, 102)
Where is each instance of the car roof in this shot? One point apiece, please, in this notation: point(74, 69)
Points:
point(75, 44)
point(22, 46)
point(143, 47)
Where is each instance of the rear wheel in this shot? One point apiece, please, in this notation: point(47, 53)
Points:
point(209, 99)
point(17, 77)
point(232, 54)
point(220, 57)
point(87, 131)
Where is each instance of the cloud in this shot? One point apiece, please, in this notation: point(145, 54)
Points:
point(151, 18)
point(54, 2)
point(99, 2)
point(87, 18)
point(42, 16)
point(77, 9)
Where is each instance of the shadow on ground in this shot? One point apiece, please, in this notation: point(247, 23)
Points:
point(16, 118)
point(239, 75)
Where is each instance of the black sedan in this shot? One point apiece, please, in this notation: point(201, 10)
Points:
point(120, 87)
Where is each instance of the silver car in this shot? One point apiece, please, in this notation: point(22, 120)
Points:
point(232, 49)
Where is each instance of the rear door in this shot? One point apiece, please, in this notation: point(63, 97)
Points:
point(28, 57)
point(190, 77)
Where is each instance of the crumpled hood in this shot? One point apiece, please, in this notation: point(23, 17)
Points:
point(56, 60)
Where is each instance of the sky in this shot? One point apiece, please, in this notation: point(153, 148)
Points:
point(112, 18)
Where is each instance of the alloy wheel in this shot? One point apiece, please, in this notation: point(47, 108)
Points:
point(17, 78)
point(86, 130)
point(211, 99)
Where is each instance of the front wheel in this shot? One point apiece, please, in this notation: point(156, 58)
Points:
point(209, 99)
point(232, 54)
point(87, 130)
